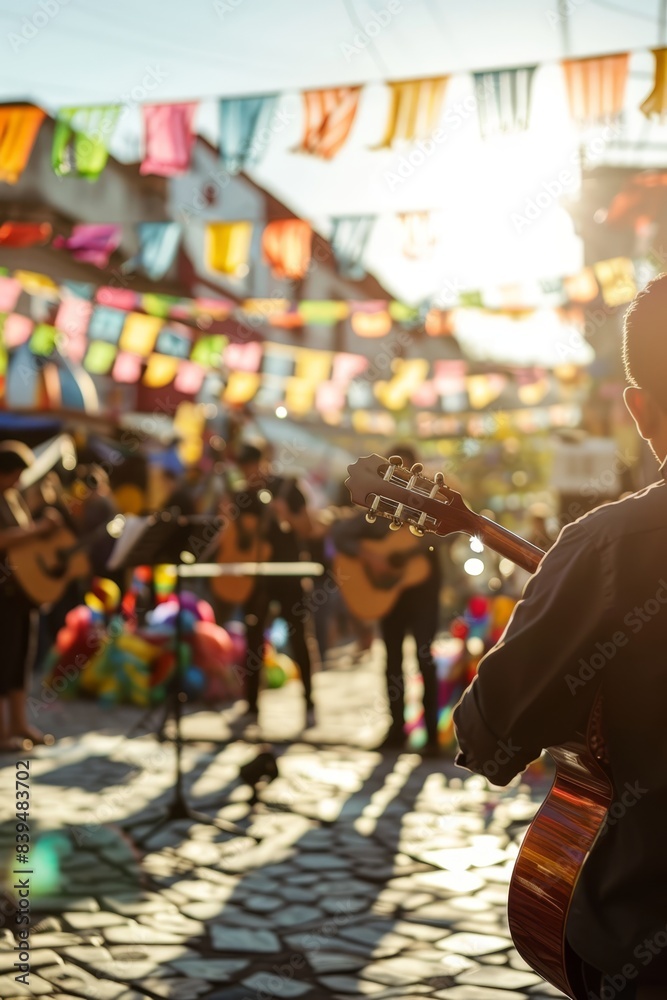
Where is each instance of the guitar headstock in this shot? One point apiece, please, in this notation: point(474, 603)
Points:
point(406, 496)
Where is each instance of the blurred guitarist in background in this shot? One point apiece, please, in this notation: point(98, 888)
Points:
point(593, 619)
point(18, 615)
point(281, 519)
point(416, 610)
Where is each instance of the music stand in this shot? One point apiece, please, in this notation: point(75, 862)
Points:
point(177, 540)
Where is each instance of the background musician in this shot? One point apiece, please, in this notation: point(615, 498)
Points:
point(281, 518)
point(18, 616)
point(416, 611)
point(594, 619)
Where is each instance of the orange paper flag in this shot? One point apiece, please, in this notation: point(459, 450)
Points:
point(596, 87)
point(329, 117)
point(286, 244)
point(18, 130)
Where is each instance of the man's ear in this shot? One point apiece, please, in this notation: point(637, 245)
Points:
point(643, 411)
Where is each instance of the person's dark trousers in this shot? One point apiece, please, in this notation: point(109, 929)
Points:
point(256, 612)
point(416, 611)
point(292, 612)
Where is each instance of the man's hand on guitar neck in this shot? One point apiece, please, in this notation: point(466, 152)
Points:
point(50, 521)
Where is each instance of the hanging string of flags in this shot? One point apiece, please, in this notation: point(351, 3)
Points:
point(595, 88)
point(287, 248)
point(161, 341)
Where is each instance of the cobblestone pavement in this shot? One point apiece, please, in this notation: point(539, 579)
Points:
point(371, 875)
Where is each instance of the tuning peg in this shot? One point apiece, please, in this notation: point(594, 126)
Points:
point(417, 468)
point(439, 479)
point(394, 525)
point(396, 460)
point(416, 530)
point(371, 518)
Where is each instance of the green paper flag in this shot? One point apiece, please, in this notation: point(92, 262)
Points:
point(99, 357)
point(43, 340)
point(208, 351)
point(158, 305)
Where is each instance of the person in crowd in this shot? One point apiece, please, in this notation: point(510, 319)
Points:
point(280, 516)
point(415, 611)
point(599, 597)
point(18, 615)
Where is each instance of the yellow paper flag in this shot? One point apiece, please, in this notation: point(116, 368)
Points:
point(140, 333)
point(241, 387)
point(313, 366)
point(617, 280)
point(228, 246)
point(160, 370)
point(299, 395)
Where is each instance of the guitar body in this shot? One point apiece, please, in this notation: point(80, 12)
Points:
point(240, 542)
point(549, 863)
point(372, 581)
point(45, 567)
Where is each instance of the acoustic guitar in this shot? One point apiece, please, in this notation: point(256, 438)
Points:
point(372, 581)
point(44, 567)
point(564, 830)
point(241, 541)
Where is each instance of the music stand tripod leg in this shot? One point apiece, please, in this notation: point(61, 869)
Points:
point(179, 808)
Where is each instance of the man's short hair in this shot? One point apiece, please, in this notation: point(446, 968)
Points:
point(406, 452)
point(645, 340)
point(248, 454)
point(15, 457)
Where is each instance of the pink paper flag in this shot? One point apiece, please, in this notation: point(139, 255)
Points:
point(189, 378)
point(91, 243)
point(330, 397)
point(127, 368)
point(117, 298)
point(17, 329)
point(348, 366)
point(168, 138)
point(243, 357)
point(73, 316)
point(10, 289)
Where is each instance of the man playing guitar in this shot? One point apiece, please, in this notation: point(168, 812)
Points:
point(18, 615)
point(593, 621)
point(279, 511)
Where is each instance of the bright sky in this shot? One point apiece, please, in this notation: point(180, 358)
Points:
point(124, 51)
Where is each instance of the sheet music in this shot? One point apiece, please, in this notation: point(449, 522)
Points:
point(132, 532)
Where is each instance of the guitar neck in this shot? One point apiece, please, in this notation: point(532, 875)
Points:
point(506, 543)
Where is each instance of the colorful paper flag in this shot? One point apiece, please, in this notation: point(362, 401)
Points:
point(99, 357)
point(596, 87)
point(414, 110)
point(169, 137)
point(81, 139)
point(91, 243)
point(228, 247)
point(241, 387)
point(25, 234)
point(18, 130)
point(286, 244)
point(139, 334)
point(244, 132)
point(160, 371)
point(503, 99)
point(329, 115)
